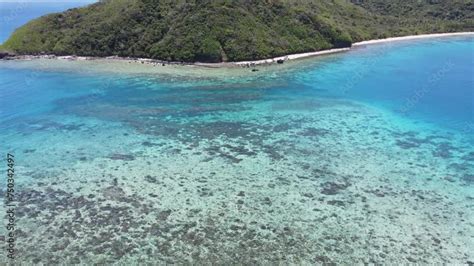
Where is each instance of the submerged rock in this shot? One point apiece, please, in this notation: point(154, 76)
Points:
point(113, 193)
point(123, 157)
point(468, 178)
point(333, 188)
point(151, 179)
point(6, 54)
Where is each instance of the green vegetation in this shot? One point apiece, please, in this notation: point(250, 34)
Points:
point(231, 30)
point(423, 16)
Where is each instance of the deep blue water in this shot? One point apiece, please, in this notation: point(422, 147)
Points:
point(14, 15)
point(427, 79)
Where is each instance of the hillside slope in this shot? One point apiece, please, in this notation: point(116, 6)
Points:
point(424, 15)
point(223, 30)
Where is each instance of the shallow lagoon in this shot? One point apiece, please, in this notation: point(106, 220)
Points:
point(361, 157)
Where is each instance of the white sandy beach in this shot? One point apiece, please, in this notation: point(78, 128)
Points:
point(412, 37)
point(354, 45)
point(339, 50)
point(275, 59)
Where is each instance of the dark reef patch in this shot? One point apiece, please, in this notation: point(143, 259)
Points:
point(468, 178)
point(407, 144)
point(150, 144)
point(39, 125)
point(469, 157)
point(314, 132)
point(151, 179)
point(121, 225)
point(230, 152)
point(338, 203)
point(443, 150)
point(121, 157)
point(334, 188)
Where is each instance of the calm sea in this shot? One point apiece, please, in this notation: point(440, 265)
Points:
point(14, 15)
point(363, 157)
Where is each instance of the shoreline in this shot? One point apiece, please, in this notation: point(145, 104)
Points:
point(410, 38)
point(274, 60)
point(240, 64)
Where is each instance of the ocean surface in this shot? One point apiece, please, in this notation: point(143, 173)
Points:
point(361, 157)
point(16, 14)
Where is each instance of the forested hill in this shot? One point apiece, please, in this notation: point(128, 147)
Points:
point(440, 10)
point(231, 30)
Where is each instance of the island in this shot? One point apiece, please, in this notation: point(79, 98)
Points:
point(213, 31)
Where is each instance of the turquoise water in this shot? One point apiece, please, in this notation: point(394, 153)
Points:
point(429, 79)
point(362, 157)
